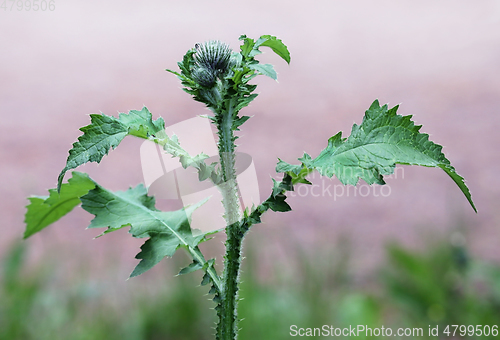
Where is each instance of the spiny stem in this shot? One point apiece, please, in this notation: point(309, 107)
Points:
point(227, 160)
point(227, 327)
point(231, 280)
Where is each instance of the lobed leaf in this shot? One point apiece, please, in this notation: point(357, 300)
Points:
point(373, 149)
point(172, 146)
point(250, 49)
point(105, 133)
point(275, 44)
point(247, 47)
point(167, 231)
point(141, 124)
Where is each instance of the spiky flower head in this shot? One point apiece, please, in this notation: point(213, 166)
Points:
point(212, 60)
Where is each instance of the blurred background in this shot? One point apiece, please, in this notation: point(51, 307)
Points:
point(414, 256)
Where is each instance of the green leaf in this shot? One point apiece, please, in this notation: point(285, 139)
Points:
point(277, 203)
point(265, 69)
point(43, 211)
point(206, 280)
point(153, 251)
point(282, 186)
point(105, 133)
point(135, 209)
point(239, 121)
point(172, 146)
point(275, 44)
point(285, 167)
point(247, 46)
point(373, 149)
point(194, 266)
point(250, 47)
point(115, 210)
point(141, 124)
point(245, 101)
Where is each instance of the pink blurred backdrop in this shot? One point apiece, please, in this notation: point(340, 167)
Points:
point(440, 60)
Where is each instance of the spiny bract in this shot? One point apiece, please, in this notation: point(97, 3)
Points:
point(212, 60)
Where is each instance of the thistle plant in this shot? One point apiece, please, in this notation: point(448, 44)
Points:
point(221, 79)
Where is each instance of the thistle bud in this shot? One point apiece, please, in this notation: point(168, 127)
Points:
point(204, 77)
point(212, 60)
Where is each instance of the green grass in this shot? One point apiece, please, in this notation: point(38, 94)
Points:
point(438, 285)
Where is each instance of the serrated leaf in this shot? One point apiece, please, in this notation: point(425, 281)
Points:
point(209, 267)
point(115, 210)
point(172, 146)
point(205, 280)
point(275, 44)
point(194, 266)
point(207, 171)
point(373, 149)
point(285, 167)
point(141, 124)
point(277, 203)
point(186, 160)
point(105, 133)
point(153, 251)
point(245, 101)
point(247, 46)
point(238, 121)
point(135, 209)
point(43, 211)
point(297, 173)
point(264, 69)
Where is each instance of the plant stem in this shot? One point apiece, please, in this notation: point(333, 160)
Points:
point(231, 278)
point(226, 145)
point(227, 328)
